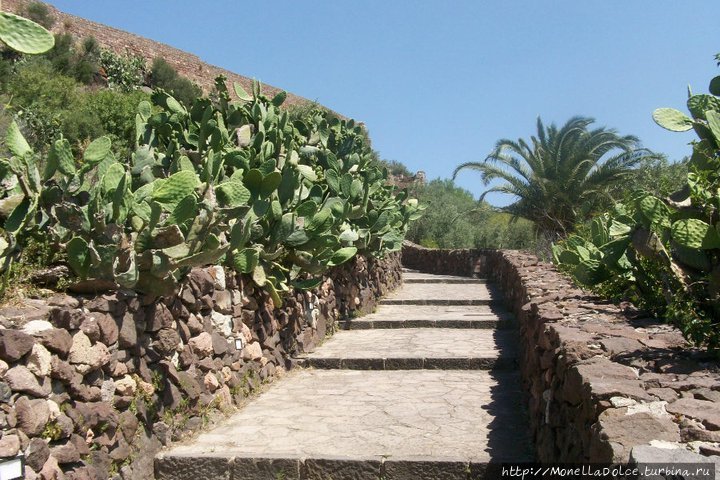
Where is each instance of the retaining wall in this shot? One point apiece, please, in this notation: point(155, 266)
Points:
point(93, 387)
point(601, 379)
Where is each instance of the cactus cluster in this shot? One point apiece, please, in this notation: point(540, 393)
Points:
point(669, 246)
point(234, 182)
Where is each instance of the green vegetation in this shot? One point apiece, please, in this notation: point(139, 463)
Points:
point(664, 252)
point(162, 75)
point(454, 219)
point(561, 177)
point(222, 182)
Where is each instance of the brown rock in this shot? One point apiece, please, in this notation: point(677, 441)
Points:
point(108, 328)
point(127, 334)
point(189, 385)
point(219, 344)
point(14, 344)
point(158, 317)
point(706, 412)
point(201, 282)
point(195, 325)
point(615, 433)
point(63, 371)
point(167, 341)
point(32, 415)
point(94, 414)
point(51, 470)
point(66, 453)
point(202, 345)
point(56, 340)
point(21, 379)
point(128, 424)
point(37, 453)
point(66, 319)
point(85, 356)
point(9, 445)
point(252, 351)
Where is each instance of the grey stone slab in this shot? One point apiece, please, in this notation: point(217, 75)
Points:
point(188, 465)
point(426, 469)
point(655, 458)
point(432, 316)
point(440, 294)
point(266, 468)
point(393, 414)
point(424, 343)
point(410, 276)
point(342, 468)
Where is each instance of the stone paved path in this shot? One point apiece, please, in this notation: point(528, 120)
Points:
point(414, 391)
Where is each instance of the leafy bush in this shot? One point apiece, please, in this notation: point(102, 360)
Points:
point(454, 219)
point(123, 72)
point(38, 12)
point(163, 75)
point(230, 182)
point(665, 251)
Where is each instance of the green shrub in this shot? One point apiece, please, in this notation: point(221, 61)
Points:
point(664, 252)
point(38, 12)
point(123, 72)
point(229, 182)
point(163, 75)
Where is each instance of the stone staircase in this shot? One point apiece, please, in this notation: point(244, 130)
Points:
point(425, 388)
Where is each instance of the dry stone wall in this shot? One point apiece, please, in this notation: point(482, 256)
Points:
point(605, 383)
point(93, 387)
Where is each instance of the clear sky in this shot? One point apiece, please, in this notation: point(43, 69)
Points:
point(439, 82)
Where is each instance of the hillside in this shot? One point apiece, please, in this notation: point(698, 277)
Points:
point(119, 41)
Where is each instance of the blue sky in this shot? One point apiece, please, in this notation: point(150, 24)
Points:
point(438, 83)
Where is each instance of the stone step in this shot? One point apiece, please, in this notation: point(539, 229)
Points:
point(410, 276)
point(490, 323)
point(433, 316)
point(471, 294)
point(346, 424)
point(416, 348)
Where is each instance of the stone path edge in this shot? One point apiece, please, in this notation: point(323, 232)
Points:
point(219, 466)
point(360, 324)
point(477, 363)
point(439, 301)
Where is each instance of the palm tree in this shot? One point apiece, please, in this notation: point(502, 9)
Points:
point(561, 176)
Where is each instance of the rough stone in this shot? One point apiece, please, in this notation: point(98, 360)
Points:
point(127, 333)
point(706, 412)
point(9, 445)
point(220, 344)
point(218, 275)
point(616, 433)
point(189, 385)
point(14, 344)
point(37, 453)
point(126, 386)
point(35, 327)
point(85, 356)
point(202, 345)
point(167, 341)
point(21, 379)
point(39, 361)
point(222, 323)
point(66, 453)
point(56, 340)
point(51, 470)
point(108, 328)
point(32, 415)
point(159, 316)
point(252, 351)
